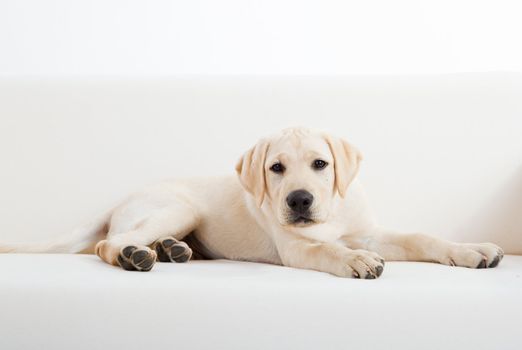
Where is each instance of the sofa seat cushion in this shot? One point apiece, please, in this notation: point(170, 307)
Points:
point(77, 302)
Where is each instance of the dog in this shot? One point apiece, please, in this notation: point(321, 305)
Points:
point(295, 201)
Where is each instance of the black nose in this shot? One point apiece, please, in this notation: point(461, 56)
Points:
point(300, 201)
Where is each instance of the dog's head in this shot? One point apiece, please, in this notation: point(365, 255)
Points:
point(298, 173)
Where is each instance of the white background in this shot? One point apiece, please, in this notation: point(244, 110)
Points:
point(155, 37)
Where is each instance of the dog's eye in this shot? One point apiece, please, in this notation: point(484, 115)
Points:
point(277, 168)
point(319, 164)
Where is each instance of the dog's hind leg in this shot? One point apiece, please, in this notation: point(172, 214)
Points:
point(169, 249)
point(130, 235)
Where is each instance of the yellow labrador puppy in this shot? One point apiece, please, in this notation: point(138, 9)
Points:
point(295, 202)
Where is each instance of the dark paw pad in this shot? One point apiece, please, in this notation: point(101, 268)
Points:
point(132, 258)
point(379, 270)
point(370, 276)
point(496, 260)
point(172, 250)
point(482, 264)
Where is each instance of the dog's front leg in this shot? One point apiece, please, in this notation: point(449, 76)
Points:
point(303, 253)
point(421, 247)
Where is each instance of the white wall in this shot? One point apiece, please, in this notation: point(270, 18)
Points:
point(165, 37)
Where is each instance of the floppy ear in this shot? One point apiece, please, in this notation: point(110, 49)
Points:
point(346, 162)
point(251, 171)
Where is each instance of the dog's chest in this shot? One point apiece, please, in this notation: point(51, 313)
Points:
point(236, 242)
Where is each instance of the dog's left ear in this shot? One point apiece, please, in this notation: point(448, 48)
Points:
point(346, 162)
point(251, 171)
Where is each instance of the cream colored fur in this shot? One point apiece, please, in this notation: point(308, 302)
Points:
point(245, 217)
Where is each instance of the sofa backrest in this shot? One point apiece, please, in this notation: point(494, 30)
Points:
point(442, 154)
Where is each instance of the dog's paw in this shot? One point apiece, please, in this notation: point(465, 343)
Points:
point(474, 255)
point(133, 258)
point(362, 264)
point(171, 250)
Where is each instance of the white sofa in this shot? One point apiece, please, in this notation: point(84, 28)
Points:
point(443, 155)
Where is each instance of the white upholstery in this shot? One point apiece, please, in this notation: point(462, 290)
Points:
point(77, 302)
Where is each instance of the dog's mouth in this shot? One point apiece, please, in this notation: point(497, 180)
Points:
point(301, 220)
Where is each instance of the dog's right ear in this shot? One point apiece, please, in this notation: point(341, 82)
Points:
point(251, 170)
